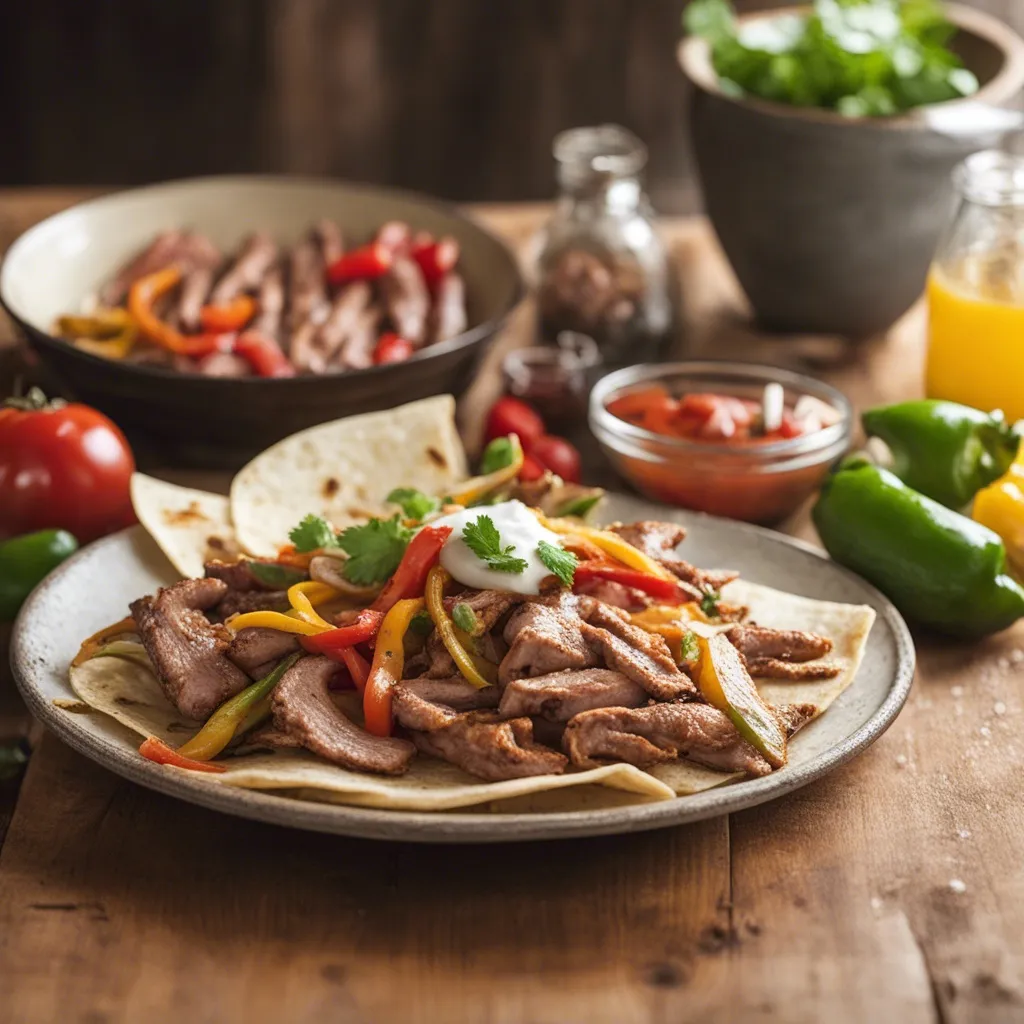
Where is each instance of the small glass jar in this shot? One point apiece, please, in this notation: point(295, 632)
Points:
point(976, 290)
point(602, 269)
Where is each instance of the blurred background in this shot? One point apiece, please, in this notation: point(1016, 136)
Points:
point(398, 92)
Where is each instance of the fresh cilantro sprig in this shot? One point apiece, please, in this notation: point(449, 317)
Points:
point(313, 533)
point(414, 504)
point(483, 539)
point(561, 562)
point(688, 648)
point(374, 550)
point(709, 603)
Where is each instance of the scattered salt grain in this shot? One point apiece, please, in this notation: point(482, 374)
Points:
point(876, 903)
point(957, 886)
point(999, 708)
point(1003, 663)
point(963, 833)
point(1016, 656)
point(985, 731)
point(901, 760)
point(956, 691)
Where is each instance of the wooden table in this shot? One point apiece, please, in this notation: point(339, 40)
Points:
point(893, 890)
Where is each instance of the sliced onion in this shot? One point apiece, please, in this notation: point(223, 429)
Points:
point(329, 570)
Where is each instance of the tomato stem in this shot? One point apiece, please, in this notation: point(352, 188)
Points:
point(34, 400)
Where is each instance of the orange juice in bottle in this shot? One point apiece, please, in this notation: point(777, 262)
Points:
point(976, 291)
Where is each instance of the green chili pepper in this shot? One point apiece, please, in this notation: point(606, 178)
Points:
point(945, 450)
point(938, 567)
point(24, 561)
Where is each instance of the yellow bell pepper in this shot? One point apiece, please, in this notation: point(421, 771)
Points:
point(474, 669)
point(287, 623)
point(221, 726)
point(1000, 507)
point(610, 543)
point(109, 333)
point(302, 597)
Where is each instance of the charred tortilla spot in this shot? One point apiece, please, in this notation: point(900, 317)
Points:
point(184, 516)
point(331, 487)
point(437, 458)
point(128, 702)
point(217, 543)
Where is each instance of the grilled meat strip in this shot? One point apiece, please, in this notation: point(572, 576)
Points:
point(795, 716)
point(308, 296)
point(238, 602)
point(487, 605)
point(787, 671)
point(256, 651)
point(246, 273)
point(271, 304)
point(158, 254)
point(187, 651)
point(406, 300)
point(448, 315)
point(238, 575)
point(545, 636)
point(478, 742)
point(783, 653)
point(659, 733)
point(329, 236)
point(302, 707)
point(560, 696)
point(643, 657)
point(453, 692)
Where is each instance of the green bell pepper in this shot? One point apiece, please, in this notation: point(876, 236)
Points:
point(939, 568)
point(946, 451)
point(25, 560)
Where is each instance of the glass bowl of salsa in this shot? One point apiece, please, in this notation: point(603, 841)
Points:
point(732, 439)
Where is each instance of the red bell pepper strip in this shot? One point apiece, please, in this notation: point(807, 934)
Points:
point(435, 259)
point(230, 316)
point(154, 749)
point(143, 295)
point(391, 348)
point(410, 578)
point(358, 667)
point(367, 263)
point(364, 628)
point(657, 586)
point(264, 355)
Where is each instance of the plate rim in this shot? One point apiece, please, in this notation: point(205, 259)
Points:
point(467, 826)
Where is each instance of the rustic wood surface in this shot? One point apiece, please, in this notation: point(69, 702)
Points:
point(893, 890)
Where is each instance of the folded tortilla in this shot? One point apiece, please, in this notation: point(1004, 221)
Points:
point(345, 470)
point(130, 693)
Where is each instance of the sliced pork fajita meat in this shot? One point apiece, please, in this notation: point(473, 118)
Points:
point(342, 319)
point(357, 350)
point(615, 594)
point(794, 716)
point(330, 239)
point(454, 692)
point(754, 641)
point(704, 581)
point(560, 696)
point(406, 300)
point(256, 650)
point(244, 275)
point(267, 737)
point(239, 575)
point(225, 364)
point(478, 742)
point(186, 649)
point(308, 293)
point(791, 672)
point(651, 536)
point(158, 254)
point(195, 286)
point(448, 314)
point(643, 657)
point(270, 298)
point(239, 602)
point(659, 733)
point(302, 707)
point(545, 636)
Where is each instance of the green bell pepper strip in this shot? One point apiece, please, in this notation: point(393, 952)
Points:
point(25, 560)
point(939, 568)
point(946, 451)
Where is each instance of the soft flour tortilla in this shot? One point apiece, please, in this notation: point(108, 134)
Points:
point(344, 471)
point(131, 694)
point(191, 527)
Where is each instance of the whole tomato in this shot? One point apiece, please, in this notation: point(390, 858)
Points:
point(558, 455)
point(62, 466)
point(509, 415)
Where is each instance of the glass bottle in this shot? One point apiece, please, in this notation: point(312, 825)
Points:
point(602, 269)
point(976, 290)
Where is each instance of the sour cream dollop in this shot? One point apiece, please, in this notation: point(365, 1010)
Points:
point(515, 524)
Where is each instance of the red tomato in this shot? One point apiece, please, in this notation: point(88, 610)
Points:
point(509, 415)
point(558, 455)
point(531, 469)
point(637, 406)
point(391, 349)
point(706, 417)
point(63, 466)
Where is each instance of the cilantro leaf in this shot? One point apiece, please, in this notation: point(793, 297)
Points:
point(414, 504)
point(277, 577)
point(561, 562)
point(465, 618)
point(709, 603)
point(688, 649)
point(499, 454)
point(483, 539)
point(374, 549)
point(312, 533)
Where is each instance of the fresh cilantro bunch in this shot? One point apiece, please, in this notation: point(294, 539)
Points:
point(861, 58)
point(374, 548)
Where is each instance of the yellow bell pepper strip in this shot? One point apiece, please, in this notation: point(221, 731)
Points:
point(273, 620)
point(302, 597)
point(109, 333)
point(725, 683)
point(1000, 507)
point(142, 297)
point(480, 486)
point(221, 726)
point(154, 749)
point(610, 543)
point(101, 638)
point(468, 664)
point(388, 665)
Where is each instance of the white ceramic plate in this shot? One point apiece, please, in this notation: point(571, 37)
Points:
point(94, 588)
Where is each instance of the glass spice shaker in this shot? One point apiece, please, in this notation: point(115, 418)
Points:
point(602, 269)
